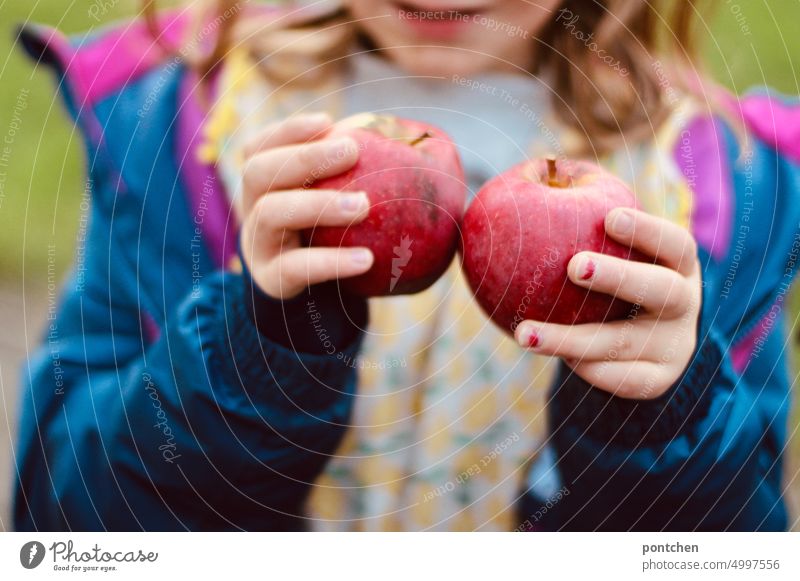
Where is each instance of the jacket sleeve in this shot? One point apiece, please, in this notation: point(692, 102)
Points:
point(212, 425)
point(208, 424)
point(707, 454)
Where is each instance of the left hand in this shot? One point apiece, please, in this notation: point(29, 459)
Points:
point(642, 356)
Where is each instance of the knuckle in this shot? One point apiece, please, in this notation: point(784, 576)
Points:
point(253, 146)
point(686, 249)
point(290, 274)
point(248, 149)
point(250, 178)
point(632, 389)
point(691, 346)
point(595, 374)
point(267, 273)
point(309, 155)
point(263, 211)
point(258, 175)
point(683, 262)
point(257, 143)
point(623, 346)
point(627, 346)
point(627, 390)
point(641, 384)
point(653, 237)
point(670, 294)
point(690, 247)
point(620, 276)
point(262, 205)
point(290, 210)
point(567, 345)
point(689, 254)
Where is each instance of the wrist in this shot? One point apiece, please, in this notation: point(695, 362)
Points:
point(320, 320)
point(247, 359)
point(605, 417)
point(608, 418)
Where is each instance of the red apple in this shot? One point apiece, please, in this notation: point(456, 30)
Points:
point(412, 175)
point(521, 231)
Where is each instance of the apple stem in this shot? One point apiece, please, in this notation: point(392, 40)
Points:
point(420, 139)
point(552, 172)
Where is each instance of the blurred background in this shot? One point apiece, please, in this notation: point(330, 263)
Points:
point(745, 43)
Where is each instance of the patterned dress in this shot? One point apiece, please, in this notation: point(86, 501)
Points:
point(450, 410)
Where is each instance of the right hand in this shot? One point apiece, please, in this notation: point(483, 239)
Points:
point(276, 205)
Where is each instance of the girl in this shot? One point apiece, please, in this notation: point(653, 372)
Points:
point(212, 376)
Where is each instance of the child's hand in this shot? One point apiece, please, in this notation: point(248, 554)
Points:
point(643, 356)
point(286, 157)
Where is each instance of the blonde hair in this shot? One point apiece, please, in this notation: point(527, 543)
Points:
point(606, 58)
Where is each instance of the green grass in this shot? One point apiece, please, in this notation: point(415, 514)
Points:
point(44, 182)
point(42, 189)
point(43, 185)
point(755, 42)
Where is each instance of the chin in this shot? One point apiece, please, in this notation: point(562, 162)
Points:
point(440, 62)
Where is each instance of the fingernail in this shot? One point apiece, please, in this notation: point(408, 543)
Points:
point(529, 337)
point(352, 203)
point(586, 269)
point(340, 147)
point(623, 222)
point(361, 256)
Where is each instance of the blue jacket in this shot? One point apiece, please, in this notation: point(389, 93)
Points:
point(155, 401)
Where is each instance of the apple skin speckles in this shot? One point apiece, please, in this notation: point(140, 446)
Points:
point(415, 183)
point(521, 231)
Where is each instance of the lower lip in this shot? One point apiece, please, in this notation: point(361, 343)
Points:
point(442, 28)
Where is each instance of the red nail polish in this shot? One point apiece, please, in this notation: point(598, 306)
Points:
point(533, 340)
point(588, 270)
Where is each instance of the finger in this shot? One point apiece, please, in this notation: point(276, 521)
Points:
point(296, 129)
point(618, 340)
point(299, 209)
point(628, 379)
point(656, 288)
point(665, 241)
point(292, 271)
point(295, 166)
